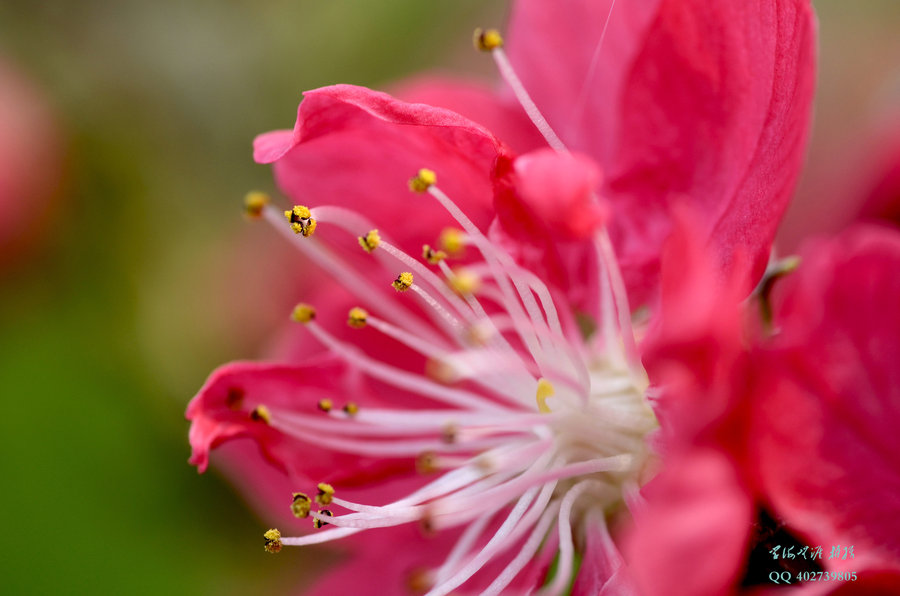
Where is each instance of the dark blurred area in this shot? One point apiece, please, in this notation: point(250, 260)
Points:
point(132, 274)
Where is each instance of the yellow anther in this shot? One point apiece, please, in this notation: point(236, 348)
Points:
point(465, 281)
point(318, 523)
point(325, 405)
point(356, 318)
point(303, 313)
point(433, 256)
point(261, 414)
point(254, 203)
point(422, 181)
point(403, 281)
point(370, 241)
point(300, 505)
point(544, 390)
point(351, 409)
point(301, 220)
point(487, 39)
point(427, 463)
point(326, 492)
point(453, 241)
point(273, 541)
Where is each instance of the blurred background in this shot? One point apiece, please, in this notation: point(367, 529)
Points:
point(127, 272)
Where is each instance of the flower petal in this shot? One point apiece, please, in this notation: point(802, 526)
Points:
point(697, 519)
point(221, 412)
point(358, 148)
point(477, 102)
point(694, 352)
point(827, 446)
point(686, 99)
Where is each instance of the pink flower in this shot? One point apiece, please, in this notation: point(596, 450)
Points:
point(502, 404)
point(30, 163)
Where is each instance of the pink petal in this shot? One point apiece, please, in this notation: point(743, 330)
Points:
point(477, 102)
point(827, 446)
point(271, 146)
point(689, 100)
point(358, 148)
point(692, 537)
point(694, 352)
point(220, 412)
point(602, 569)
point(559, 191)
point(548, 212)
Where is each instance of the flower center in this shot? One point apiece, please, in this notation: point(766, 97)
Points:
point(532, 423)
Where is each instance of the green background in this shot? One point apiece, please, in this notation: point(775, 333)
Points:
point(140, 286)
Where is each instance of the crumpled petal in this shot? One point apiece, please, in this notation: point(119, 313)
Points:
point(477, 102)
point(825, 431)
point(686, 100)
point(358, 148)
point(220, 412)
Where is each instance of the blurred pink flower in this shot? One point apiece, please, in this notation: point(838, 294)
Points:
point(30, 163)
point(516, 376)
point(790, 423)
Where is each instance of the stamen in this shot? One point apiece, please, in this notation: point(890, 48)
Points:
point(261, 414)
point(429, 276)
point(351, 409)
point(356, 318)
point(453, 241)
point(403, 281)
point(300, 505)
point(325, 405)
point(516, 523)
point(370, 241)
point(433, 256)
point(607, 256)
point(320, 518)
point(422, 181)
point(465, 282)
point(566, 548)
point(301, 220)
point(319, 538)
point(399, 377)
point(494, 44)
point(462, 547)
point(303, 313)
point(486, 40)
point(427, 463)
point(525, 555)
point(355, 283)
point(254, 203)
point(326, 492)
point(501, 270)
point(419, 345)
point(273, 541)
